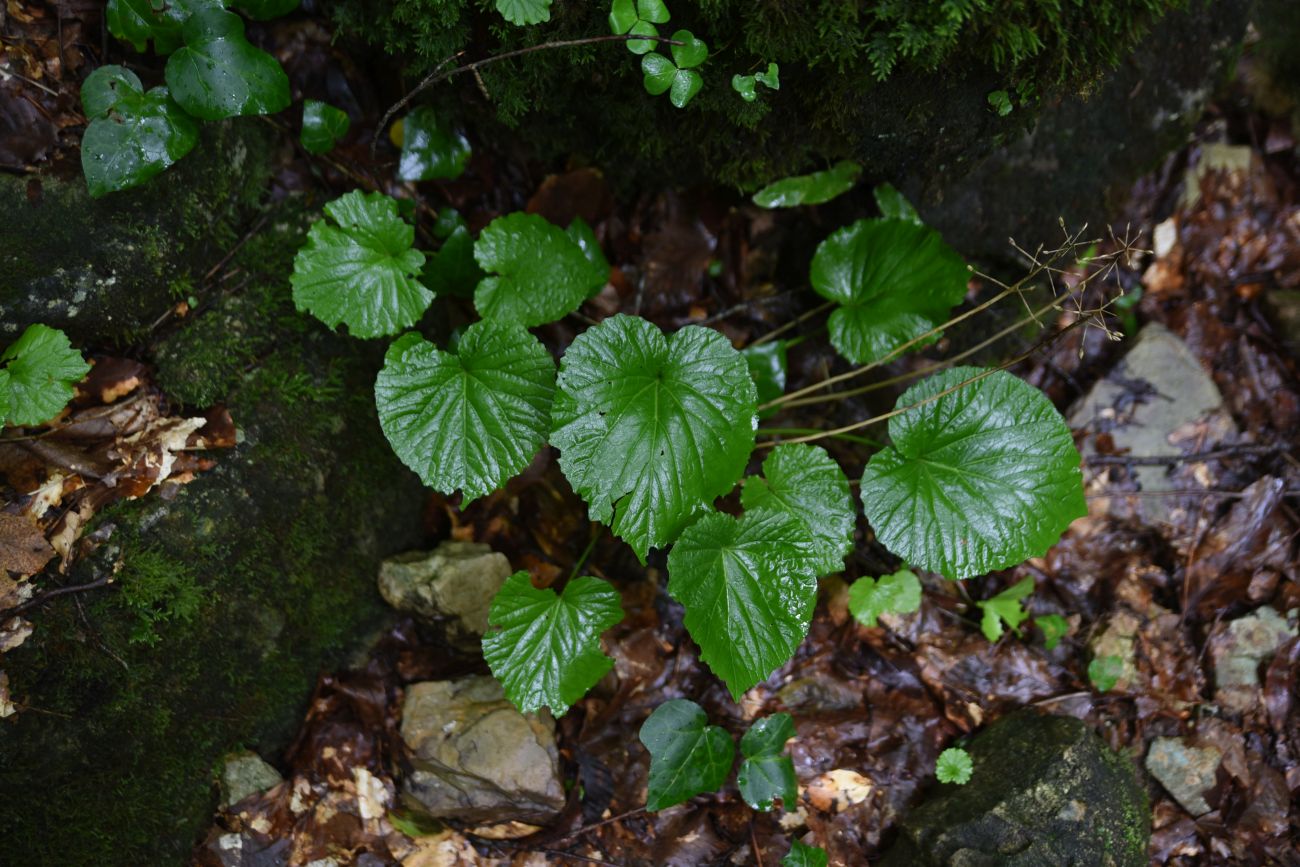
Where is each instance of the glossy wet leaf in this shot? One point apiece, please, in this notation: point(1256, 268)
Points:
point(585, 237)
point(675, 77)
point(642, 46)
point(469, 420)
point(453, 270)
point(431, 148)
point(688, 51)
point(803, 855)
point(545, 649)
point(977, 480)
point(523, 12)
point(358, 268)
point(652, 428)
point(140, 22)
point(1054, 627)
point(132, 135)
point(748, 585)
point(323, 126)
point(639, 18)
point(897, 593)
point(806, 483)
point(687, 755)
point(746, 85)
point(219, 73)
point(767, 773)
point(768, 367)
point(893, 281)
point(40, 371)
point(894, 205)
point(1005, 608)
point(954, 766)
point(537, 273)
point(265, 10)
point(810, 189)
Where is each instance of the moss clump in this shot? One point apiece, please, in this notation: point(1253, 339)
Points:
point(886, 82)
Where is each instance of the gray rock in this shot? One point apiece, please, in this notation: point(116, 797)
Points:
point(1156, 389)
point(245, 773)
point(1238, 648)
point(1187, 772)
point(452, 585)
point(1045, 791)
point(476, 758)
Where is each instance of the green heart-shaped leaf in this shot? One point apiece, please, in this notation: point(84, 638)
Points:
point(622, 15)
point(658, 72)
point(540, 274)
point(431, 149)
point(641, 46)
point(692, 52)
point(768, 771)
point(322, 126)
point(899, 593)
point(470, 420)
point(687, 756)
point(744, 85)
point(806, 483)
point(686, 83)
point(652, 10)
point(219, 74)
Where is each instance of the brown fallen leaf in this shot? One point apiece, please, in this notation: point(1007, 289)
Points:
point(23, 549)
point(835, 791)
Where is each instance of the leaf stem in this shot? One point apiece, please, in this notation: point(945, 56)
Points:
point(781, 329)
point(586, 552)
point(784, 431)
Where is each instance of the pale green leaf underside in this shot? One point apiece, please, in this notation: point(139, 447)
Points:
point(538, 274)
point(894, 281)
point(651, 429)
point(810, 189)
point(472, 420)
point(803, 855)
point(546, 649)
point(898, 593)
point(687, 756)
point(749, 585)
point(805, 482)
point(524, 11)
point(978, 480)
point(41, 368)
point(361, 272)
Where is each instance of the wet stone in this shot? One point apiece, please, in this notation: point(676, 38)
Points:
point(1187, 772)
point(451, 586)
point(245, 773)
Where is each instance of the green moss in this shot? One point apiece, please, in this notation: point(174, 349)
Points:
point(157, 589)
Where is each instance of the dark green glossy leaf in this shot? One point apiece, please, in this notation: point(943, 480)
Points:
point(265, 10)
point(218, 73)
point(322, 126)
point(801, 855)
point(41, 369)
point(894, 205)
point(768, 772)
point(1054, 628)
point(977, 480)
point(810, 189)
point(687, 755)
point(539, 274)
point(898, 593)
point(680, 82)
point(583, 235)
point(748, 585)
point(448, 221)
point(132, 136)
point(651, 429)
point(638, 19)
point(642, 46)
point(954, 766)
point(431, 149)
point(659, 72)
point(546, 648)
point(622, 15)
point(767, 365)
point(806, 483)
point(655, 11)
point(691, 52)
point(453, 270)
point(141, 21)
point(472, 420)
point(1005, 608)
point(523, 12)
point(894, 281)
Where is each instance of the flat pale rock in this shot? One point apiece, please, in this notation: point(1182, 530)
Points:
point(451, 586)
point(1187, 772)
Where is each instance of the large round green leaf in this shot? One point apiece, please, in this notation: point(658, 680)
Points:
point(977, 480)
point(472, 420)
point(132, 135)
point(806, 483)
point(651, 429)
point(362, 271)
point(546, 649)
point(219, 73)
point(748, 585)
point(539, 273)
point(893, 279)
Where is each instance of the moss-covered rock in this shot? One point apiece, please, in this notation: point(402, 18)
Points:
point(105, 269)
point(229, 598)
point(1045, 791)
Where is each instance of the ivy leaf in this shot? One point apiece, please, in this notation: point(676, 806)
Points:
point(977, 480)
point(748, 585)
point(899, 593)
point(806, 483)
point(469, 420)
point(41, 369)
point(322, 126)
point(132, 135)
point(431, 149)
point(1005, 608)
point(220, 74)
point(687, 756)
point(523, 12)
point(265, 10)
point(651, 429)
point(1105, 671)
point(362, 271)
point(893, 205)
point(452, 270)
point(585, 237)
point(767, 367)
point(954, 766)
point(802, 855)
point(546, 650)
point(811, 189)
point(768, 772)
point(541, 274)
point(139, 21)
point(894, 281)
point(1054, 627)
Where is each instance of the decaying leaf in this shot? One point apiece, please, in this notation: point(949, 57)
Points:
point(23, 549)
